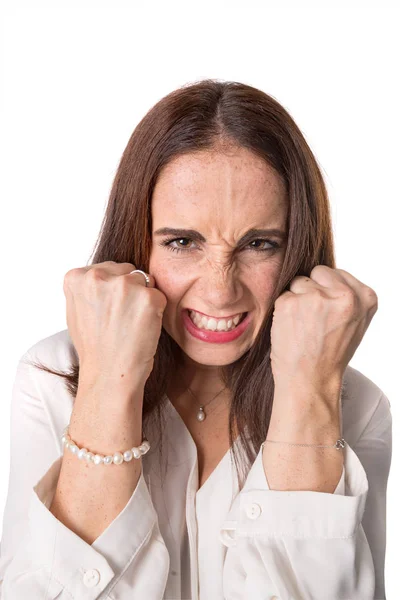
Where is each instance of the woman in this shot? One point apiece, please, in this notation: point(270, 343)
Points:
point(211, 324)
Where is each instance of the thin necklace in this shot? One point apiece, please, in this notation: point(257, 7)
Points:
point(201, 415)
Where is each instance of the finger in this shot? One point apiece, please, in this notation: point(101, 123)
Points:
point(327, 277)
point(344, 283)
point(303, 285)
point(335, 282)
point(368, 295)
point(323, 278)
point(339, 279)
point(352, 281)
point(111, 268)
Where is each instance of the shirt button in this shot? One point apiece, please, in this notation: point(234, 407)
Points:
point(253, 511)
point(91, 578)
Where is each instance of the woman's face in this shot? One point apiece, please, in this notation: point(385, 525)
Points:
point(221, 197)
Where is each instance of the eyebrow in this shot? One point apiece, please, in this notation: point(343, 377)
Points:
point(197, 236)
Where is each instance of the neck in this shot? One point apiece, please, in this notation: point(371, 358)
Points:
point(205, 382)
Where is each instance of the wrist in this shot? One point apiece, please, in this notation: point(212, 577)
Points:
point(105, 431)
point(302, 396)
point(305, 417)
point(108, 387)
point(112, 374)
point(107, 413)
point(327, 387)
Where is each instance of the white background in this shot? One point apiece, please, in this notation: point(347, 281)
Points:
point(76, 78)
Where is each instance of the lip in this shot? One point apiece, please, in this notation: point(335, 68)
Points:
point(215, 337)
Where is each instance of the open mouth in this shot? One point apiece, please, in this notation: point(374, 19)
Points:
point(216, 325)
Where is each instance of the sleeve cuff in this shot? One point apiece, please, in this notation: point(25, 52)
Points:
point(259, 511)
point(340, 488)
point(83, 569)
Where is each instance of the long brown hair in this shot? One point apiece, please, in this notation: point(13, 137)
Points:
point(202, 116)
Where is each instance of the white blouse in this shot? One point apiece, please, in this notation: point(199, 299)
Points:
point(180, 542)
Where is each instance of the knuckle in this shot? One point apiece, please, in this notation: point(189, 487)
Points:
point(128, 279)
point(371, 294)
point(318, 293)
point(349, 301)
point(125, 283)
point(371, 299)
point(70, 276)
point(347, 291)
point(94, 274)
point(283, 302)
point(295, 279)
point(71, 273)
point(318, 298)
point(317, 269)
point(161, 302)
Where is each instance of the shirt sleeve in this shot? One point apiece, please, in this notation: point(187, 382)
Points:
point(304, 545)
point(41, 557)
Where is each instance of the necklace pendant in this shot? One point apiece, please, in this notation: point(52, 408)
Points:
point(201, 415)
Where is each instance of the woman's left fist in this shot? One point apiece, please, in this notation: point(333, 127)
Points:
point(317, 327)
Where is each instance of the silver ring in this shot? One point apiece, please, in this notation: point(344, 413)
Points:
point(143, 273)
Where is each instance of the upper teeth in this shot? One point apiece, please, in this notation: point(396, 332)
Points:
point(214, 324)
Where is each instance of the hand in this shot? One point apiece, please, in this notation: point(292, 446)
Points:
point(114, 321)
point(317, 327)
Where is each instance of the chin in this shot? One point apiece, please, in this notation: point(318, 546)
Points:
point(213, 357)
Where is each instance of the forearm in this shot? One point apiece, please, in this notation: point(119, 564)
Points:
point(88, 497)
point(296, 420)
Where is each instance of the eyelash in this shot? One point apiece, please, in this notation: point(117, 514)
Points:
point(166, 243)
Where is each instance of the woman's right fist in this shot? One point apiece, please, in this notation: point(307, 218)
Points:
point(114, 321)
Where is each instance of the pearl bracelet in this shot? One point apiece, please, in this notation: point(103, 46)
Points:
point(99, 459)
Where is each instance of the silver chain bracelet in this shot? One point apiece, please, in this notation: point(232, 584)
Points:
point(117, 458)
point(339, 445)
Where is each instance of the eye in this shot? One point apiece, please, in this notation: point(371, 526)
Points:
point(273, 246)
point(167, 244)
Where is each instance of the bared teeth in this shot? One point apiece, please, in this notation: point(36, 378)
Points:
point(211, 324)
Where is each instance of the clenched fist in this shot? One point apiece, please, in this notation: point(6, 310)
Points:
point(317, 327)
point(114, 321)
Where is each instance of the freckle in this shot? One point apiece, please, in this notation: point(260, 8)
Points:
point(122, 374)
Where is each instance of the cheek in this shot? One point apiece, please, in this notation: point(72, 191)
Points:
point(262, 282)
point(169, 278)
point(261, 290)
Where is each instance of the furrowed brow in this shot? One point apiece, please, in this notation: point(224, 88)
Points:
point(197, 236)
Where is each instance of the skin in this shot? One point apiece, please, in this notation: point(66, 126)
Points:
point(222, 195)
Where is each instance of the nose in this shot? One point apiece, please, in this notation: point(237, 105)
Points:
point(222, 288)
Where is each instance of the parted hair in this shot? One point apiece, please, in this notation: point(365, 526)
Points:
point(201, 116)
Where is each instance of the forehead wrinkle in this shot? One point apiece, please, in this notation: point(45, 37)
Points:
point(190, 173)
point(213, 187)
